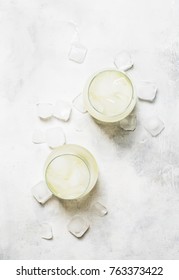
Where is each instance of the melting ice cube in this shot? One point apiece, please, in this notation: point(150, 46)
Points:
point(62, 110)
point(38, 136)
point(146, 91)
point(99, 209)
point(154, 126)
point(143, 137)
point(78, 226)
point(78, 103)
point(123, 61)
point(41, 192)
point(46, 231)
point(167, 175)
point(44, 110)
point(80, 125)
point(77, 53)
point(55, 137)
point(129, 123)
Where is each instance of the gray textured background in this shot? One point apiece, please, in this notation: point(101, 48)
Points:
point(139, 175)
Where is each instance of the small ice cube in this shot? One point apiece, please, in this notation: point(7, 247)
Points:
point(146, 91)
point(41, 192)
point(38, 136)
point(143, 137)
point(80, 125)
point(99, 209)
point(123, 61)
point(167, 175)
point(77, 53)
point(46, 231)
point(78, 226)
point(44, 110)
point(154, 126)
point(129, 123)
point(78, 103)
point(62, 110)
point(55, 137)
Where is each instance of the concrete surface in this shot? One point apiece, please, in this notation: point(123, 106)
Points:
point(139, 174)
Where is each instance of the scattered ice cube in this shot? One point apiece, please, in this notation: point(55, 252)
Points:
point(38, 136)
point(44, 110)
point(41, 192)
point(78, 103)
point(143, 137)
point(78, 226)
point(80, 125)
point(167, 175)
point(77, 53)
point(129, 123)
point(76, 36)
point(62, 110)
point(123, 61)
point(99, 209)
point(46, 231)
point(146, 91)
point(55, 137)
point(154, 126)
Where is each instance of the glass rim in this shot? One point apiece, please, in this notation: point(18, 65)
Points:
point(52, 189)
point(101, 116)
